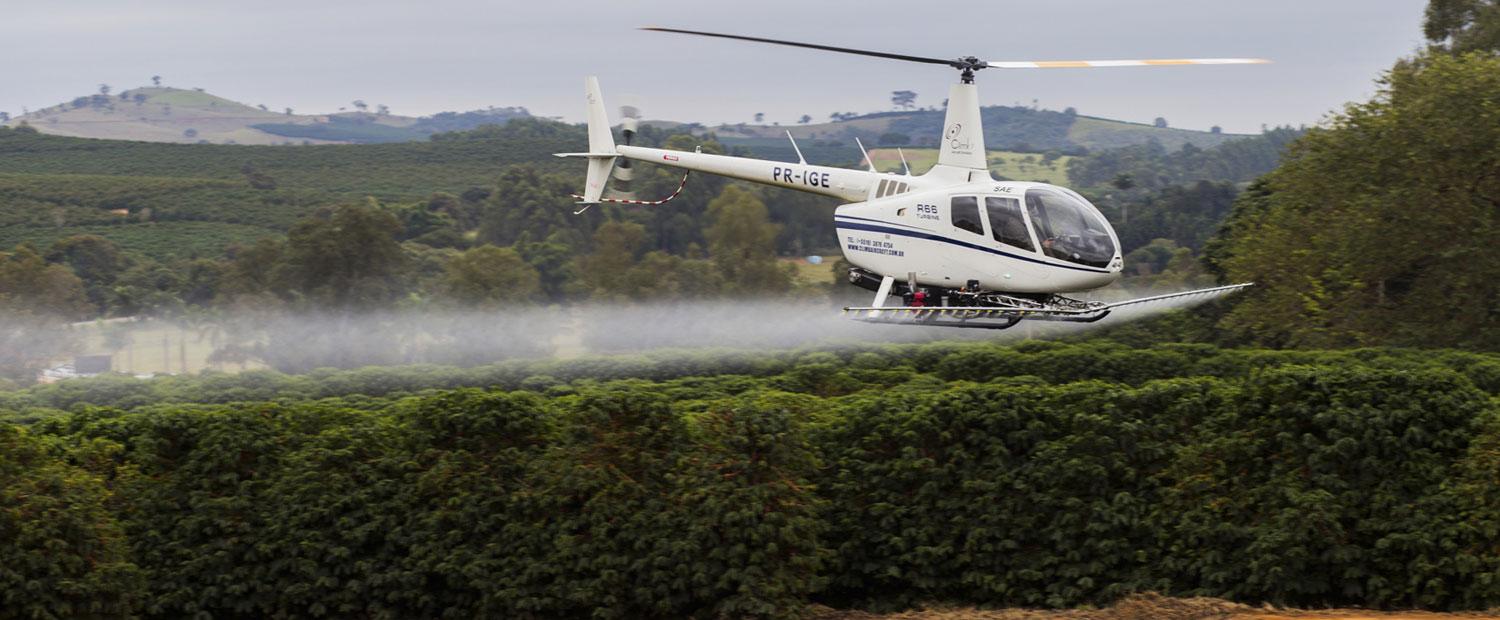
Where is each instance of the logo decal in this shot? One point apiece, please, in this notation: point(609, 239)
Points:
point(957, 140)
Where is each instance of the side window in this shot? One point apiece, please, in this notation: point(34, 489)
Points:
point(966, 214)
point(884, 184)
point(1006, 222)
point(901, 188)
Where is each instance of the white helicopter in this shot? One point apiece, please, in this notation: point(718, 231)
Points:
point(960, 248)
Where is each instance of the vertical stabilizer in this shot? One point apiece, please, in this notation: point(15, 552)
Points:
point(963, 135)
point(601, 143)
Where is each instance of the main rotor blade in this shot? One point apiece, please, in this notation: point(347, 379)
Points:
point(826, 48)
point(1077, 64)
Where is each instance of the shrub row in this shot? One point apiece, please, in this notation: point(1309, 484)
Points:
point(1331, 484)
point(822, 372)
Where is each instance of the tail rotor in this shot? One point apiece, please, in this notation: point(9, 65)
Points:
point(624, 174)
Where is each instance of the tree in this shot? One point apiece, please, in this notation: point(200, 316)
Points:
point(4, 117)
point(288, 111)
point(1123, 182)
point(488, 275)
point(383, 110)
point(95, 260)
point(253, 270)
point(742, 243)
point(1381, 227)
point(263, 107)
point(104, 89)
point(1070, 111)
point(603, 271)
point(360, 105)
point(804, 120)
point(28, 285)
point(1459, 26)
point(760, 116)
point(190, 133)
point(346, 259)
point(903, 99)
point(1160, 123)
point(156, 80)
point(1216, 130)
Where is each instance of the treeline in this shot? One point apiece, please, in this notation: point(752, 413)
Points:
point(1380, 226)
point(1041, 475)
point(1152, 166)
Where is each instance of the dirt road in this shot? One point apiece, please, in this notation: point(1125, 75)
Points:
point(1151, 607)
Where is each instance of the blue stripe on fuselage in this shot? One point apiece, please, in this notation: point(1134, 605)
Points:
point(932, 237)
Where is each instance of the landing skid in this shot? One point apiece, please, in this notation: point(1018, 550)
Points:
point(999, 311)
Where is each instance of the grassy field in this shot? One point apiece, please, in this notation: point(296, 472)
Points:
point(156, 347)
point(1007, 164)
point(810, 274)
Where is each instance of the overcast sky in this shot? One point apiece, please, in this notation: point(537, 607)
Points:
point(437, 55)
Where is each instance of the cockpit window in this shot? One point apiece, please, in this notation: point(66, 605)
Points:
point(1069, 229)
point(1006, 222)
point(966, 214)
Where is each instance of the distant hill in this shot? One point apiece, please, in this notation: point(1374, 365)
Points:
point(1006, 128)
point(193, 116)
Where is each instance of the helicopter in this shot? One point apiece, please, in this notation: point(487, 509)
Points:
point(960, 248)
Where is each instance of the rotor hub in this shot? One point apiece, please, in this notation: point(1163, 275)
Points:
point(966, 66)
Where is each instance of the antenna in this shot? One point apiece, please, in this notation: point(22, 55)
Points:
point(800, 159)
point(903, 161)
point(866, 154)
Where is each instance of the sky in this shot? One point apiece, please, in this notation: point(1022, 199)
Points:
point(439, 55)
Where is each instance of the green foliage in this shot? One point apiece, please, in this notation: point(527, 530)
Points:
point(1310, 478)
point(62, 552)
point(491, 275)
point(1152, 167)
point(742, 244)
point(29, 286)
point(1381, 227)
point(1185, 214)
point(349, 259)
point(1292, 496)
point(1460, 26)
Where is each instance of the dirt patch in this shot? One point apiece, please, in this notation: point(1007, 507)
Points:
point(1148, 606)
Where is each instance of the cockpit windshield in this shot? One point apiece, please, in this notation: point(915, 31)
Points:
point(1069, 229)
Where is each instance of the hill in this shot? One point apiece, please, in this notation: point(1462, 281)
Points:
point(161, 114)
point(1007, 128)
point(1004, 164)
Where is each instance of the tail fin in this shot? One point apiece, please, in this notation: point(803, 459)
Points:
point(602, 152)
point(963, 135)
